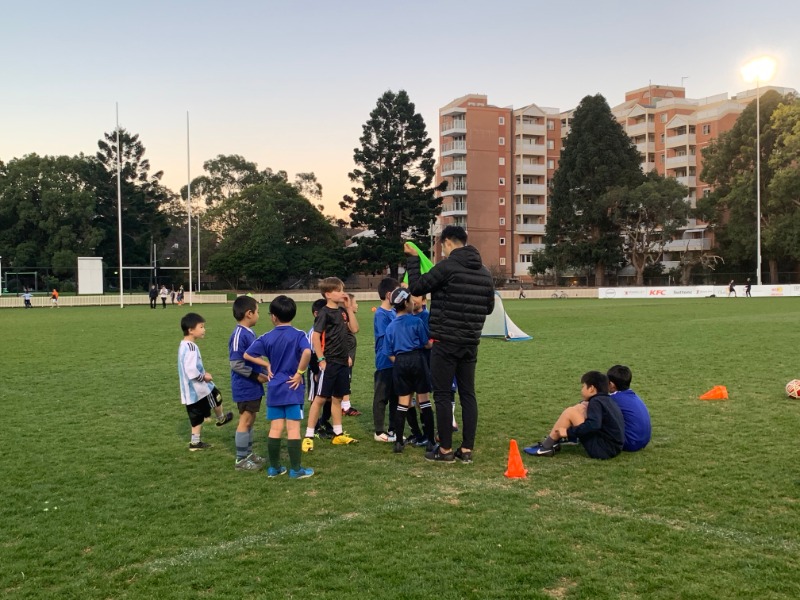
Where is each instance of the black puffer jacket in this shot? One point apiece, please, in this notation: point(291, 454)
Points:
point(462, 294)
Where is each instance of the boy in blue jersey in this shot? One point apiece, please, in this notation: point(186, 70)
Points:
point(198, 392)
point(286, 354)
point(330, 344)
point(383, 393)
point(634, 412)
point(247, 379)
point(404, 342)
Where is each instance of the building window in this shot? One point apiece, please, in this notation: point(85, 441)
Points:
point(501, 161)
point(501, 141)
point(706, 193)
point(551, 164)
point(706, 129)
point(502, 181)
point(662, 138)
point(502, 241)
point(551, 144)
point(502, 221)
point(663, 117)
point(501, 121)
point(550, 125)
point(663, 159)
point(502, 262)
point(502, 201)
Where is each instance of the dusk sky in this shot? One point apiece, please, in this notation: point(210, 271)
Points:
point(289, 85)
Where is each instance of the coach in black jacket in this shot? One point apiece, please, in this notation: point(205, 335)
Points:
point(462, 294)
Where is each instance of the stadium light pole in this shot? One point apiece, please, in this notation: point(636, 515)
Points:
point(189, 203)
point(119, 210)
point(758, 70)
point(198, 252)
point(1, 275)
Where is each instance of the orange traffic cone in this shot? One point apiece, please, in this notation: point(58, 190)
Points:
point(515, 469)
point(718, 392)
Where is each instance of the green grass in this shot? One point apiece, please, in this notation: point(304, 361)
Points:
point(101, 499)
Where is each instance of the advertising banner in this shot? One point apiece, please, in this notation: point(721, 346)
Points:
point(697, 291)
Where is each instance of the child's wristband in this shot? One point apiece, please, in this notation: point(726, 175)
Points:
point(303, 372)
point(321, 359)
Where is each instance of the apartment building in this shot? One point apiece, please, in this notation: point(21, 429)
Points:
point(498, 163)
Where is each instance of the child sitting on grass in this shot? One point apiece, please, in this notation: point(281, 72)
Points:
point(198, 392)
point(286, 353)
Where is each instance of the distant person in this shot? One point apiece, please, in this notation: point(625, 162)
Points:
point(172, 294)
point(164, 293)
point(731, 289)
point(286, 354)
point(180, 296)
point(747, 287)
point(324, 428)
point(596, 423)
point(247, 382)
point(462, 295)
point(54, 298)
point(26, 297)
point(348, 409)
point(198, 392)
point(521, 293)
point(638, 429)
point(153, 296)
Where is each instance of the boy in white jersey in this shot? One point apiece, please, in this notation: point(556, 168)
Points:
point(198, 392)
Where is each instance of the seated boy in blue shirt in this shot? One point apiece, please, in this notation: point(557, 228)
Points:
point(596, 423)
point(286, 353)
point(406, 338)
point(634, 412)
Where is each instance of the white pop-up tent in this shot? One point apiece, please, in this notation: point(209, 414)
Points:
point(499, 324)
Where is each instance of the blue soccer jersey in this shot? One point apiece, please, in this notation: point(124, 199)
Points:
point(282, 347)
point(380, 322)
point(243, 388)
point(405, 334)
point(191, 372)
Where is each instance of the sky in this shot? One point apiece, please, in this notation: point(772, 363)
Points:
point(290, 84)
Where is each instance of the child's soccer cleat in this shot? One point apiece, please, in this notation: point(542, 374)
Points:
point(398, 447)
point(343, 439)
point(257, 459)
point(352, 412)
point(301, 473)
point(273, 472)
point(226, 418)
point(538, 450)
point(193, 447)
point(565, 441)
point(308, 445)
point(463, 456)
point(381, 437)
point(392, 436)
point(421, 442)
point(247, 464)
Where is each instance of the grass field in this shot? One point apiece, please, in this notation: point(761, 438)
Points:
point(101, 499)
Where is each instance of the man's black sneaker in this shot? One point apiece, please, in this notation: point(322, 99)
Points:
point(226, 418)
point(436, 455)
point(398, 447)
point(465, 456)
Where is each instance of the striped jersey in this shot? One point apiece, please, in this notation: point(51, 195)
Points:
point(190, 374)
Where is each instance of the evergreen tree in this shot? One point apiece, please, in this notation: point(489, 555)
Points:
point(597, 156)
point(394, 196)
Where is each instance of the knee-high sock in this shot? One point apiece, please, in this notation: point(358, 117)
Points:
point(426, 412)
point(274, 451)
point(400, 421)
point(250, 440)
point(295, 453)
point(413, 424)
point(242, 438)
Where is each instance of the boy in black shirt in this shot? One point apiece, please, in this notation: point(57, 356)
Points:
point(596, 423)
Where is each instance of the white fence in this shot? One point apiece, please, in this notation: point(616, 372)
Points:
point(696, 291)
point(13, 301)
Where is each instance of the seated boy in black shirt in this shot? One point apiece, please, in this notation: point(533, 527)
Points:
point(596, 423)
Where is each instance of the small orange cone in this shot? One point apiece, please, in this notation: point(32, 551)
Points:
point(515, 469)
point(718, 392)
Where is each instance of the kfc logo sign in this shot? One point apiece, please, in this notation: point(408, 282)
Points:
point(658, 293)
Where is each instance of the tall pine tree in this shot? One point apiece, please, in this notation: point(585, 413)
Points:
point(393, 196)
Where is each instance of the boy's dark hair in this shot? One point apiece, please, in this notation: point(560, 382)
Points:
point(317, 305)
point(241, 305)
point(596, 379)
point(330, 284)
point(620, 376)
point(453, 232)
point(190, 321)
point(283, 308)
point(400, 299)
point(387, 286)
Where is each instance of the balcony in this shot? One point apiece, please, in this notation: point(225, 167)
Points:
point(531, 209)
point(455, 127)
point(531, 128)
point(457, 187)
point(531, 189)
point(458, 147)
point(690, 181)
point(456, 167)
point(455, 208)
point(640, 129)
point(524, 168)
point(675, 141)
point(648, 166)
point(524, 147)
point(695, 244)
point(535, 228)
point(686, 160)
point(530, 248)
point(646, 148)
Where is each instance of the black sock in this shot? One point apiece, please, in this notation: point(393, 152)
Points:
point(413, 424)
point(426, 412)
point(400, 421)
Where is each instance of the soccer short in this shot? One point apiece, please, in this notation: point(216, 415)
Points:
point(334, 381)
point(411, 374)
point(201, 410)
point(251, 406)
point(290, 412)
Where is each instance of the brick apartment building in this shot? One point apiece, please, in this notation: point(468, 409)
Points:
point(498, 163)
